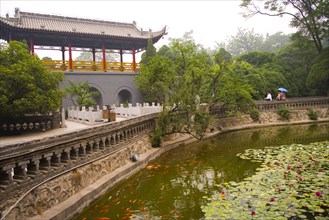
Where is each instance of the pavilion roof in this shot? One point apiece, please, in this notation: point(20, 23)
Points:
point(43, 23)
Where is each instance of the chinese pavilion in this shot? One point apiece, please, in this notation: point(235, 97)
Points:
point(69, 34)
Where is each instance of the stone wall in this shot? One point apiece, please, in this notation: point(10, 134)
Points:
point(63, 187)
point(270, 117)
point(26, 166)
point(29, 124)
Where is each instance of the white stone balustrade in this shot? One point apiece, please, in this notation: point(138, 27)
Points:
point(138, 110)
point(91, 115)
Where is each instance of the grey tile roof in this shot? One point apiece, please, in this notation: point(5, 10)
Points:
point(54, 23)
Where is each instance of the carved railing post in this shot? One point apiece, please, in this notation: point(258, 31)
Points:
point(20, 170)
point(6, 175)
point(65, 155)
point(45, 162)
point(33, 166)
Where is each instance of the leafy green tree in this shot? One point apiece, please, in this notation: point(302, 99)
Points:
point(261, 73)
point(46, 58)
point(244, 41)
point(310, 17)
point(81, 94)
point(154, 79)
point(318, 77)
point(166, 51)
point(88, 56)
point(256, 58)
point(235, 94)
point(26, 85)
point(275, 41)
point(295, 62)
point(184, 75)
point(189, 66)
point(175, 77)
point(150, 52)
point(221, 64)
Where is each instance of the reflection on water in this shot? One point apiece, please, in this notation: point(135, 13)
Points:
point(173, 186)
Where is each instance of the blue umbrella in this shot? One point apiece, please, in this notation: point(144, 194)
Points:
point(282, 90)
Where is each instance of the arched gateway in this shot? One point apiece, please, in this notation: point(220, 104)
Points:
point(67, 34)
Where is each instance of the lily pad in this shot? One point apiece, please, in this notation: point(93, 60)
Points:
point(287, 184)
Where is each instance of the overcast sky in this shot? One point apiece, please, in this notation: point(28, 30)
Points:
point(211, 21)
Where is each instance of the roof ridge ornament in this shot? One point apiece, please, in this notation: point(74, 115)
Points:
point(18, 15)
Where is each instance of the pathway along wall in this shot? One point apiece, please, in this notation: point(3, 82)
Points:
point(83, 166)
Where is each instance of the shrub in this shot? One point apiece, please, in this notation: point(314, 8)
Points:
point(156, 138)
point(312, 114)
point(254, 114)
point(284, 112)
point(126, 104)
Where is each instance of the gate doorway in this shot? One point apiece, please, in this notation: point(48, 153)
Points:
point(124, 96)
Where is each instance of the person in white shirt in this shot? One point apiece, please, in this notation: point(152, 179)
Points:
point(268, 97)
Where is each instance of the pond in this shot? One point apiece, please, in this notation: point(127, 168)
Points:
point(176, 185)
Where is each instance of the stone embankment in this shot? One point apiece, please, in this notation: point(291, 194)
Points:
point(87, 195)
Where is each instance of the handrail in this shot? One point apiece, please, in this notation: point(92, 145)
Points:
point(292, 103)
point(89, 66)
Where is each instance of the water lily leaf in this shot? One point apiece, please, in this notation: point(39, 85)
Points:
point(233, 183)
point(319, 210)
point(284, 185)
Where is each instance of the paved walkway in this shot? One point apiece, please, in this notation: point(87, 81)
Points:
point(71, 127)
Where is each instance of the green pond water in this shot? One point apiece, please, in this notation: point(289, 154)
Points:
point(175, 185)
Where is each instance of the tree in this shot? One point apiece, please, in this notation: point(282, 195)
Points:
point(235, 94)
point(318, 77)
point(311, 17)
point(81, 94)
point(176, 80)
point(221, 64)
point(244, 41)
point(154, 79)
point(256, 58)
point(88, 56)
point(295, 62)
point(46, 58)
point(247, 41)
point(26, 85)
point(189, 66)
point(150, 52)
point(275, 41)
point(184, 75)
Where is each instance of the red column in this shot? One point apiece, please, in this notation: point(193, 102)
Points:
point(121, 59)
point(63, 58)
point(63, 54)
point(32, 46)
point(104, 58)
point(70, 57)
point(94, 54)
point(134, 60)
point(94, 68)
